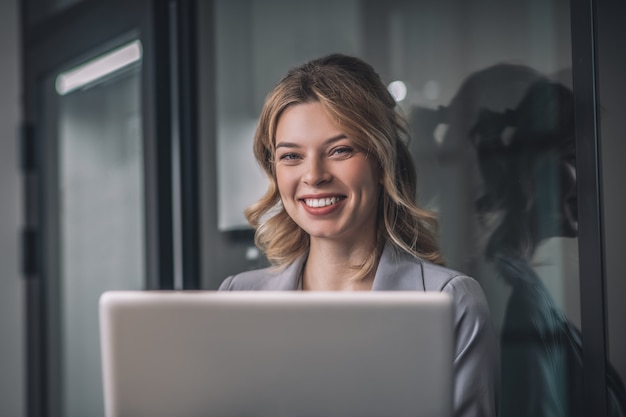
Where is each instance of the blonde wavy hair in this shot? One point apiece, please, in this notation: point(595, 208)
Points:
point(352, 93)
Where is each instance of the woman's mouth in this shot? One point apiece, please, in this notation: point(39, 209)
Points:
point(321, 202)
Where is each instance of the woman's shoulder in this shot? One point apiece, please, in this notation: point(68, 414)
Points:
point(459, 285)
point(400, 270)
point(438, 278)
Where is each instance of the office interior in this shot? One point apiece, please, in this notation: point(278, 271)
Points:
point(138, 179)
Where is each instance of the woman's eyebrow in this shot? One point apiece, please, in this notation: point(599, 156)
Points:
point(287, 145)
point(326, 142)
point(335, 139)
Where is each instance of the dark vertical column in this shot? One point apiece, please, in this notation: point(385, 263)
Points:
point(188, 136)
point(591, 242)
point(162, 148)
point(611, 94)
point(32, 257)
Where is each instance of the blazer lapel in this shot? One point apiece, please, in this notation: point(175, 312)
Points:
point(398, 271)
point(287, 279)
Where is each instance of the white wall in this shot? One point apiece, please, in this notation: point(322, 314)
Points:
point(11, 296)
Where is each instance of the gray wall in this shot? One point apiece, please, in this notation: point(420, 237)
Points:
point(11, 292)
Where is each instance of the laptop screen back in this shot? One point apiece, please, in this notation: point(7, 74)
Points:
point(270, 354)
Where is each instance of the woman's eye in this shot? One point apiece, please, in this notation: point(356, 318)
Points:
point(342, 151)
point(288, 157)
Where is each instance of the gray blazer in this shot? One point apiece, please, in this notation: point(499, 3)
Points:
point(477, 358)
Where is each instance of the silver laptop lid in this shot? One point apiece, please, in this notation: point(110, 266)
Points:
point(277, 354)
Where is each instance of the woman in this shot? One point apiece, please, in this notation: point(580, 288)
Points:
point(340, 212)
point(529, 196)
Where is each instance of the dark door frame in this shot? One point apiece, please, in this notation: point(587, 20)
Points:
point(591, 251)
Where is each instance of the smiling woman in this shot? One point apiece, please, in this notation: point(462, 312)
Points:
point(327, 185)
point(352, 104)
point(340, 212)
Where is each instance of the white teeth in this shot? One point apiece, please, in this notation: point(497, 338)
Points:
point(320, 202)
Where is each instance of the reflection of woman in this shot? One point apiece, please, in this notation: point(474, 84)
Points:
point(340, 211)
point(527, 161)
point(526, 158)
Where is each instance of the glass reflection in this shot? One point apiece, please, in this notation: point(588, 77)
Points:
point(488, 95)
point(526, 159)
point(524, 163)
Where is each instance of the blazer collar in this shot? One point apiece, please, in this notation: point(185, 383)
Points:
point(288, 279)
point(397, 271)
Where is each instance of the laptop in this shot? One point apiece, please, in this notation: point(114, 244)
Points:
point(277, 354)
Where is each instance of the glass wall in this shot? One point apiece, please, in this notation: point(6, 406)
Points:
point(95, 112)
point(487, 89)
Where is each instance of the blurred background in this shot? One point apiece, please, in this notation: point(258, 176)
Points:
point(126, 163)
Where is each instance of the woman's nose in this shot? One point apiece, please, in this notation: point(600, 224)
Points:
point(316, 172)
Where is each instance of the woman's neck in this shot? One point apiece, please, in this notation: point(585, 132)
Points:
point(330, 267)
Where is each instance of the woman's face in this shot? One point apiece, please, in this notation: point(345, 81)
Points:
point(328, 185)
